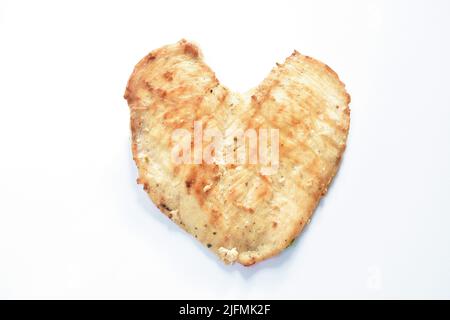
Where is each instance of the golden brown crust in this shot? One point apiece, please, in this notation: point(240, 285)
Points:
point(235, 211)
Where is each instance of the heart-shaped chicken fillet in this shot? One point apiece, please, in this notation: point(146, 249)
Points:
point(241, 213)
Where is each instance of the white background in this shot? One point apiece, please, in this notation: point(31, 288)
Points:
point(73, 222)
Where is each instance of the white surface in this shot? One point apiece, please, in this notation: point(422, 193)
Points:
point(73, 222)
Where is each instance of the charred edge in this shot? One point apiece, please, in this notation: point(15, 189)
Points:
point(164, 206)
point(150, 57)
point(191, 50)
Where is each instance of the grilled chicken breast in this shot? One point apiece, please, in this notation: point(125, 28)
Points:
point(234, 209)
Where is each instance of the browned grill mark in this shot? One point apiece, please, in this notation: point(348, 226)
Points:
point(168, 76)
point(214, 217)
